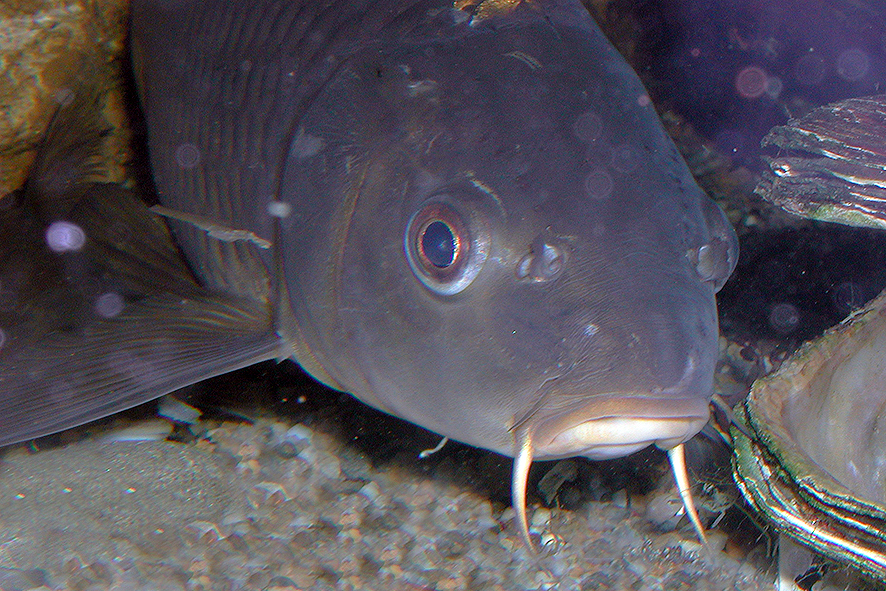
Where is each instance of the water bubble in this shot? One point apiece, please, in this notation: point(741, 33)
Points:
point(731, 140)
point(64, 96)
point(588, 127)
point(599, 184)
point(847, 296)
point(306, 145)
point(279, 209)
point(109, 304)
point(784, 317)
point(625, 158)
point(62, 236)
point(853, 64)
point(643, 100)
point(774, 86)
point(810, 70)
point(187, 155)
point(750, 82)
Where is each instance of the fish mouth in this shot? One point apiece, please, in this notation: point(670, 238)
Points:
point(618, 426)
point(613, 423)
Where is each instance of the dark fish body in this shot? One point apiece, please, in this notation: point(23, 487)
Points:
point(465, 214)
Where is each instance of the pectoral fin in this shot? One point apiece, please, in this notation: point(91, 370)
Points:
point(99, 312)
point(155, 346)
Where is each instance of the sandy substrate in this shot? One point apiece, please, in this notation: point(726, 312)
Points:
point(272, 504)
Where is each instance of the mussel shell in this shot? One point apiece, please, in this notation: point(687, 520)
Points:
point(831, 164)
point(814, 466)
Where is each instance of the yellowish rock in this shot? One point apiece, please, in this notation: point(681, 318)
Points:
point(50, 49)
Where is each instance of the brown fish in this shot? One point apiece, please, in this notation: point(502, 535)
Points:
point(465, 214)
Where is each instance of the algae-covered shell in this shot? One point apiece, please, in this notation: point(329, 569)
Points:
point(816, 464)
point(832, 164)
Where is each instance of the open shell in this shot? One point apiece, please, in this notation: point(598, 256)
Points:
point(816, 464)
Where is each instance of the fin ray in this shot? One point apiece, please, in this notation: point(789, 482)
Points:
point(99, 311)
point(159, 345)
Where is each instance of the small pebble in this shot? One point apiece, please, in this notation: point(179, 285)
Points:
point(174, 409)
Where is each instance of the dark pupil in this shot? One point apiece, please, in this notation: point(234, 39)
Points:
point(438, 244)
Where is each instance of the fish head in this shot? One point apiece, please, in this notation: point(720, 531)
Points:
point(519, 255)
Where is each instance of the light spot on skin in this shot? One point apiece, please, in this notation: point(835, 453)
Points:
point(305, 145)
point(187, 155)
point(527, 59)
point(64, 236)
point(279, 209)
point(484, 9)
point(459, 16)
point(420, 87)
point(481, 186)
point(523, 268)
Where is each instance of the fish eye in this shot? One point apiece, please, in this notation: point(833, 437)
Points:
point(441, 250)
point(438, 245)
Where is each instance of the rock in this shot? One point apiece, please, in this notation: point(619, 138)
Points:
point(49, 49)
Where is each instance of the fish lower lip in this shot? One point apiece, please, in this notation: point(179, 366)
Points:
point(607, 436)
point(615, 437)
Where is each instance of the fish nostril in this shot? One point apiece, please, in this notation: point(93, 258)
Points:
point(524, 266)
point(712, 262)
point(674, 376)
point(552, 261)
point(544, 262)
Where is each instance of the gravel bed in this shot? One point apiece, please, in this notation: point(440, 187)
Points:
point(270, 504)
